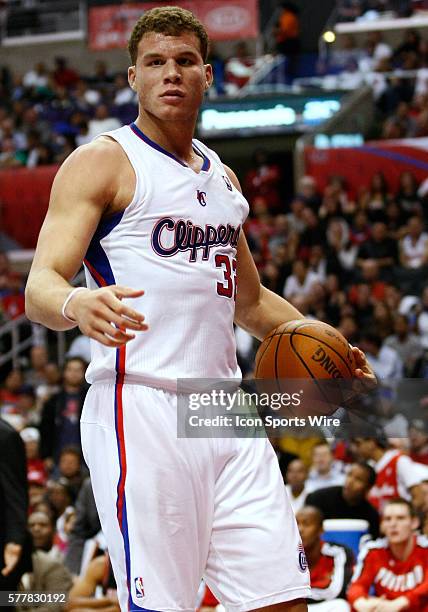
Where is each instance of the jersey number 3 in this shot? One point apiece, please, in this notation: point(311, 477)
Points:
point(228, 287)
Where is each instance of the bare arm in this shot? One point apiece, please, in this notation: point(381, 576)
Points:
point(83, 190)
point(82, 594)
point(258, 310)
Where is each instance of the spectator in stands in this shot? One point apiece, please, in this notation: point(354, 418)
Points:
point(38, 362)
point(238, 69)
point(384, 360)
point(422, 319)
point(394, 567)
point(396, 474)
point(330, 565)
point(12, 301)
point(301, 281)
point(379, 247)
point(124, 94)
point(45, 390)
point(102, 121)
point(350, 500)
point(383, 320)
point(42, 528)
point(308, 191)
point(14, 540)
point(70, 467)
point(407, 194)
point(48, 573)
point(418, 440)
point(414, 246)
point(86, 526)
point(35, 466)
point(63, 75)
point(83, 596)
point(287, 32)
point(37, 78)
point(263, 180)
point(85, 97)
point(325, 471)
point(407, 344)
point(9, 393)
point(296, 483)
point(60, 423)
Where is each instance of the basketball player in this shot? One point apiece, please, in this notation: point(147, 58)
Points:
point(157, 219)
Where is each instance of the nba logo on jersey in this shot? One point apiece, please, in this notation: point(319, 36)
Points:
point(139, 587)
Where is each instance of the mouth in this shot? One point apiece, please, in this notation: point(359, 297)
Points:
point(172, 94)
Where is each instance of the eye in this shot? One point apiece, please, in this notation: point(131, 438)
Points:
point(155, 62)
point(185, 61)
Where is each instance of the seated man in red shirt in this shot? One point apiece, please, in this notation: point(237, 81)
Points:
point(396, 567)
point(330, 565)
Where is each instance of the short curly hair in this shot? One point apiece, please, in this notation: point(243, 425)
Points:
point(171, 21)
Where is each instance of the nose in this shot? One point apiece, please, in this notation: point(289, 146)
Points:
point(172, 72)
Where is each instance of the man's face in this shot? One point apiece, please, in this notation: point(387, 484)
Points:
point(362, 448)
point(74, 373)
point(170, 76)
point(41, 529)
point(69, 465)
point(309, 527)
point(397, 523)
point(322, 459)
point(356, 484)
point(296, 473)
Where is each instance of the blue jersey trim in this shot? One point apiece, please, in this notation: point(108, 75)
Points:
point(206, 163)
point(96, 256)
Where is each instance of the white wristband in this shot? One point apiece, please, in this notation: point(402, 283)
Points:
point(69, 297)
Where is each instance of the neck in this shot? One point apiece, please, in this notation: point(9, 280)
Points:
point(71, 388)
point(402, 550)
point(297, 489)
point(173, 136)
point(313, 553)
point(378, 454)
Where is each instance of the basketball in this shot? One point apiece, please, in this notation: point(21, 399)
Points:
point(305, 348)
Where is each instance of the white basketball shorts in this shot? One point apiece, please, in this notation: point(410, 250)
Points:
point(174, 510)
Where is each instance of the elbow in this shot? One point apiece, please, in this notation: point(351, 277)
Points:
point(29, 308)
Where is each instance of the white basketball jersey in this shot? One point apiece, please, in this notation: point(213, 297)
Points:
point(177, 240)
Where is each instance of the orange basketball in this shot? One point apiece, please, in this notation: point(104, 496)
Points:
point(305, 348)
point(310, 357)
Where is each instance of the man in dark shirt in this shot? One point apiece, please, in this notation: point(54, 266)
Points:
point(380, 248)
point(15, 544)
point(349, 501)
point(60, 424)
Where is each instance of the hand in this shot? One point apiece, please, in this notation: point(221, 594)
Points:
point(364, 371)
point(392, 605)
point(366, 604)
point(101, 315)
point(12, 554)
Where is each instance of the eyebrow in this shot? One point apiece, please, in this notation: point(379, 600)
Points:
point(152, 55)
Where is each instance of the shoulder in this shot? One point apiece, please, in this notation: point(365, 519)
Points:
point(374, 547)
point(337, 551)
point(231, 174)
point(422, 542)
point(101, 153)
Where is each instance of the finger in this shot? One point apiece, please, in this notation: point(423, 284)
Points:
point(122, 292)
point(122, 322)
point(113, 332)
point(105, 340)
point(123, 310)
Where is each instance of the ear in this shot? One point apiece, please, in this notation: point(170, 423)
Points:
point(131, 78)
point(209, 77)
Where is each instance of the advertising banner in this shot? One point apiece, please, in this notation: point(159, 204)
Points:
point(110, 26)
